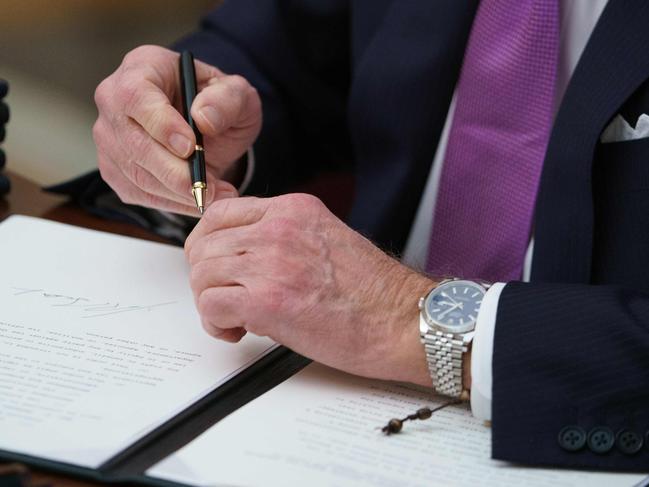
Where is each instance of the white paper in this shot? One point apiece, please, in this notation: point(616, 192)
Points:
point(99, 341)
point(320, 428)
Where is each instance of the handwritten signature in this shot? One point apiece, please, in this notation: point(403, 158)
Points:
point(89, 307)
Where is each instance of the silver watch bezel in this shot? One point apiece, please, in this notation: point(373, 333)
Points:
point(434, 324)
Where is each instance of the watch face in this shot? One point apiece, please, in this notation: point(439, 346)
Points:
point(454, 306)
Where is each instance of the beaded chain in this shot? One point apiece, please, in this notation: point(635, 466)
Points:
point(395, 425)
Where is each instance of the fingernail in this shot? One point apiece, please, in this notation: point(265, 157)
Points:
point(211, 116)
point(180, 144)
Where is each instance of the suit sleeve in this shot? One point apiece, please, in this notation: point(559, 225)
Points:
point(296, 54)
point(571, 376)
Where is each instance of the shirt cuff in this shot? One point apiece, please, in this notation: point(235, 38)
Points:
point(250, 169)
point(482, 353)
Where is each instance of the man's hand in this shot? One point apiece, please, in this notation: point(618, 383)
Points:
point(143, 140)
point(287, 268)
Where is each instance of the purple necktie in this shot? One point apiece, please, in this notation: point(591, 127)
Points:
point(497, 142)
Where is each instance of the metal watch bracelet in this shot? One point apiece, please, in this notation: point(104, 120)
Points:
point(444, 353)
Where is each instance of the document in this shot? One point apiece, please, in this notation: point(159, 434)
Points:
point(100, 342)
point(321, 428)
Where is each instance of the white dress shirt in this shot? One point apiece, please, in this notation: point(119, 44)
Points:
point(578, 18)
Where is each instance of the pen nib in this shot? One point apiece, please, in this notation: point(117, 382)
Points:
point(198, 190)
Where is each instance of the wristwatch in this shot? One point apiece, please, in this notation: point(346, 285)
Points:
point(447, 318)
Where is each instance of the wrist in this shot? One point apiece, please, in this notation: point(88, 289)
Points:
point(408, 355)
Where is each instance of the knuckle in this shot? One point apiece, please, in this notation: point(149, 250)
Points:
point(207, 304)
point(213, 331)
point(210, 328)
point(195, 253)
point(237, 89)
point(301, 202)
point(197, 275)
point(131, 56)
point(136, 55)
point(102, 93)
point(189, 246)
point(238, 83)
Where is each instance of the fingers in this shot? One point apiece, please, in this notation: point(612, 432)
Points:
point(205, 73)
point(170, 171)
point(129, 193)
point(141, 131)
point(149, 168)
point(220, 309)
point(152, 110)
point(218, 272)
point(144, 88)
point(141, 88)
point(228, 213)
point(230, 242)
point(232, 335)
point(143, 161)
point(226, 102)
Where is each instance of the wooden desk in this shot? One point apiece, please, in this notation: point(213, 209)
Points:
point(26, 198)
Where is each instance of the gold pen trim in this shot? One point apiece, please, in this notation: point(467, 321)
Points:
point(199, 189)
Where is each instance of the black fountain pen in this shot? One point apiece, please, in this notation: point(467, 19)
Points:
point(197, 158)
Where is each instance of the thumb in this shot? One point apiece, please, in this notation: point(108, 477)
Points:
point(226, 102)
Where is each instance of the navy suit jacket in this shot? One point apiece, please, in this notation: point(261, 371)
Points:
point(371, 82)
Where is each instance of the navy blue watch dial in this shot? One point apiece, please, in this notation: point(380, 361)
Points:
point(455, 305)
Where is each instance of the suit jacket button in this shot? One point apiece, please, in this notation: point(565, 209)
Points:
point(629, 442)
point(601, 439)
point(572, 438)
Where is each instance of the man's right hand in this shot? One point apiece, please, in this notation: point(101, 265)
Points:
point(143, 140)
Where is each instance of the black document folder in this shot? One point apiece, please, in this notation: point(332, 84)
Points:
point(129, 466)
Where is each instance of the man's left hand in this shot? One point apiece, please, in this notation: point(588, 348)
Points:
point(287, 268)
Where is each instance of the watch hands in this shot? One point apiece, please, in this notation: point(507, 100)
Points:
point(448, 297)
point(458, 305)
